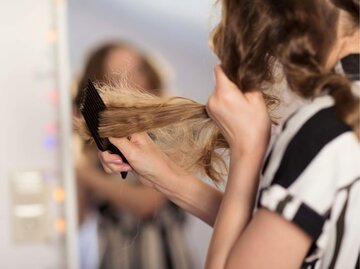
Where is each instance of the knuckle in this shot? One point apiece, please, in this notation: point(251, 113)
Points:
point(227, 97)
point(256, 95)
point(114, 169)
point(106, 160)
point(211, 103)
point(104, 155)
point(107, 170)
point(100, 156)
point(131, 154)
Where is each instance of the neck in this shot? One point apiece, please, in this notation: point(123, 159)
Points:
point(345, 47)
point(351, 45)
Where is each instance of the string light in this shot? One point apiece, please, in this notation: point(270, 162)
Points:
point(50, 142)
point(54, 97)
point(51, 128)
point(60, 225)
point(58, 195)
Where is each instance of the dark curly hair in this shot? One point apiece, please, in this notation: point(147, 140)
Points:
point(299, 34)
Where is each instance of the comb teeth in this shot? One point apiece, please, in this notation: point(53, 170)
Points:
point(91, 107)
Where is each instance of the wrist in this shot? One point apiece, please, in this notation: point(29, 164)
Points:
point(245, 164)
point(256, 146)
point(254, 154)
point(172, 181)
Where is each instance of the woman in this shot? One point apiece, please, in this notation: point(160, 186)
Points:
point(132, 217)
point(306, 214)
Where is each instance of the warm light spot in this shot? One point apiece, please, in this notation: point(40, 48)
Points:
point(60, 225)
point(59, 195)
point(52, 36)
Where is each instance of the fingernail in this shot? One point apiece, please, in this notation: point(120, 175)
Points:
point(117, 161)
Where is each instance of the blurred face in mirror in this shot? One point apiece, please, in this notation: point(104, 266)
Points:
point(115, 61)
point(127, 62)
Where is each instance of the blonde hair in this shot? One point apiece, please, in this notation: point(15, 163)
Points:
point(181, 127)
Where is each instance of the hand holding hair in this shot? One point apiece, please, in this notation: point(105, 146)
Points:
point(156, 170)
point(242, 117)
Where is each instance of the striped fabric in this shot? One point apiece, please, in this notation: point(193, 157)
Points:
point(311, 178)
point(126, 242)
point(156, 243)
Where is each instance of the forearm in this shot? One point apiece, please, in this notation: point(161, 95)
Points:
point(236, 208)
point(138, 200)
point(194, 196)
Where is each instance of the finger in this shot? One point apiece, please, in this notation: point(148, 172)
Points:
point(222, 81)
point(141, 138)
point(116, 168)
point(211, 104)
point(254, 96)
point(104, 164)
point(124, 145)
point(108, 157)
point(107, 169)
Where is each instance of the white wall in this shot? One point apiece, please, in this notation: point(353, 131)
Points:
point(176, 30)
point(33, 225)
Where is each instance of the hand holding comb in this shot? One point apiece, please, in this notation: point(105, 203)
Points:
point(91, 107)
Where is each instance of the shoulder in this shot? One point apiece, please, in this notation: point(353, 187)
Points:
point(313, 135)
point(314, 123)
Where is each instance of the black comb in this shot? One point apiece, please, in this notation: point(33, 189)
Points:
point(91, 106)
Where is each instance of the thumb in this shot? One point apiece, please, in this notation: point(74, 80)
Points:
point(124, 145)
point(220, 77)
point(142, 138)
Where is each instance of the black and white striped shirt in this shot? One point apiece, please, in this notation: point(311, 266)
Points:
point(312, 178)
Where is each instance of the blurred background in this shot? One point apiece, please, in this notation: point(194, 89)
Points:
point(44, 50)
